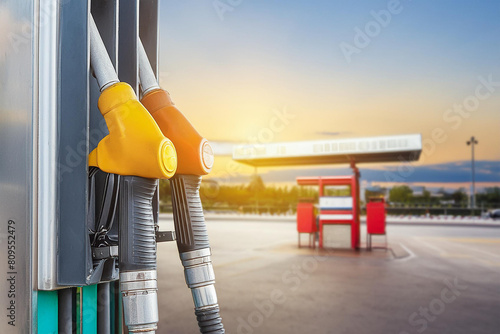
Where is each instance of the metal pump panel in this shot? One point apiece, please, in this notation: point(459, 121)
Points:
point(49, 122)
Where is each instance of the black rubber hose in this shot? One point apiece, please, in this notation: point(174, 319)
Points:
point(137, 245)
point(191, 234)
point(209, 320)
point(189, 221)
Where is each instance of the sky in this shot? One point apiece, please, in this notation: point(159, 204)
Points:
point(339, 69)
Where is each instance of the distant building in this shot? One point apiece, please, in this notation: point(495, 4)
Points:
point(417, 190)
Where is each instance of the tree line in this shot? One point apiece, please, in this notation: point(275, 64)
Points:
point(258, 197)
point(489, 198)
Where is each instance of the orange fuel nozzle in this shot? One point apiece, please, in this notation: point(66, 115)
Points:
point(195, 155)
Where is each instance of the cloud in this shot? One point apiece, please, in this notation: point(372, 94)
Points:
point(331, 133)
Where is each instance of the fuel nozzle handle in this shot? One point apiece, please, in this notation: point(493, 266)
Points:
point(195, 158)
point(135, 144)
point(136, 149)
point(137, 254)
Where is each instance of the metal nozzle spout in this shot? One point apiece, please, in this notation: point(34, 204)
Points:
point(140, 301)
point(200, 278)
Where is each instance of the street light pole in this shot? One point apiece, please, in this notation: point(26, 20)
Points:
point(472, 142)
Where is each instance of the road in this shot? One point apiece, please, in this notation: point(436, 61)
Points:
point(436, 279)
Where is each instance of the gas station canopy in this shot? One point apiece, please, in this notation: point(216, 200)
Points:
point(332, 151)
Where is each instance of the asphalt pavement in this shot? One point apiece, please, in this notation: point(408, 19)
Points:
point(432, 279)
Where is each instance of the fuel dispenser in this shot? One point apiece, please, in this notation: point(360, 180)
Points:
point(339, 222)
point(79, 207)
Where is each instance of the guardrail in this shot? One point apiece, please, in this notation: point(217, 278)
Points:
point(434, 211)
point(292, 208)
point(247, 209)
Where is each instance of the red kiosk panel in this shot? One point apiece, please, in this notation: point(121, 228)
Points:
point(375, 216)
point(306, 222)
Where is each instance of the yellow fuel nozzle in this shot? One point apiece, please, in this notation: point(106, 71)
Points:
point(135, 144)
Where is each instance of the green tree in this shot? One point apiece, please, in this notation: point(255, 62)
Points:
point(256, 188)
point(400, 194)
point(490, 197)
point(426, 196)
point(256, 184)
point(459, 196)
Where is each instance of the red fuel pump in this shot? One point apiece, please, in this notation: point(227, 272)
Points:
point(336, 212)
